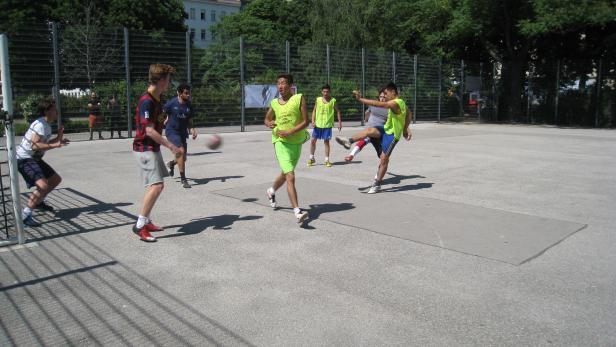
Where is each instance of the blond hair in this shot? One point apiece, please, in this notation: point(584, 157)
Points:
point(159, 71)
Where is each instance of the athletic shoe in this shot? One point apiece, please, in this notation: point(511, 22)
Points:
point(44, 206)
point(144, 234)
point(311, 162)
point(185, 184)
point(328, 164)
point(344, 141)
point(151, 227)
point(171, 165)
point(271, 196)
point(374, 189)
point(301, 216)
point(349, 158)
point(29, 221)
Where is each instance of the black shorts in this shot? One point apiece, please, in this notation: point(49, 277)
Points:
point(33, 170)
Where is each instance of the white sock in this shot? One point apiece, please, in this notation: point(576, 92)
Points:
point(297, 210)
point(312, 156)
point(141, 221)
point(326, 158)
point(27, 211)
point(271, 190)
point(354, 150)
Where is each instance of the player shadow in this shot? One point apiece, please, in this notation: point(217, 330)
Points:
point(196, 226)
point(397, 179)
point(202, 153)
point(71, 213)
point(316, 210)
point(347, 163)
point(199, 181)
point(408, 187)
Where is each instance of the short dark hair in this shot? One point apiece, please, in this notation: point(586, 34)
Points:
point(182, 87)
point(391, 86)
point(286, 76)
point(326, 86)
point(44, 105)
point(382, 90)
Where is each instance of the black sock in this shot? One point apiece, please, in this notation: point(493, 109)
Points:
point(351, 140)
point(182, 176)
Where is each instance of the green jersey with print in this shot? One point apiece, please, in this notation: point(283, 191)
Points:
point(288, 116)
point(324, 114)
point(395, 121)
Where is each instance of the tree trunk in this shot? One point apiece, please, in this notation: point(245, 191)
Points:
point(513, 83)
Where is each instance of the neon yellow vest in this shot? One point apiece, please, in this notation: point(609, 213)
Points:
point(395, 121)
point(324, 114)
point(287, 116)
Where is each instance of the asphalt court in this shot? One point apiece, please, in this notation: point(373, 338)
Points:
point(499, 235)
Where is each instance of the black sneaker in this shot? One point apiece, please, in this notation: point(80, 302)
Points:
point(29, 221)
point(171, 166)
point(185, 184)
point(45, 206)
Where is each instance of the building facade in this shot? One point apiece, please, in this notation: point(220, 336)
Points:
point(203, 14)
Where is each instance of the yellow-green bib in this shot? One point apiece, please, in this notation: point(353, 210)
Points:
point(395, 121)
point(324, 115)
point(287, 116)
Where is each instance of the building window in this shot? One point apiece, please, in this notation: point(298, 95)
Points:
point(192, 33)
point(213, 15)
point(202, 14)
point(191, 14)
point(202, 34)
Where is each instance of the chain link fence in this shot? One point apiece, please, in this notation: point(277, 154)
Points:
point(69, 63)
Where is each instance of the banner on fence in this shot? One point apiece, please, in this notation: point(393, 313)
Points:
point(259, 95)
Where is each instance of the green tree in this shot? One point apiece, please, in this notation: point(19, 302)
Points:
point(135, 14)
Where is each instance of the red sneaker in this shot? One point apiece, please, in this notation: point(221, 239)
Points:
point(348, 158)
point(151, 227)
point(144, 234)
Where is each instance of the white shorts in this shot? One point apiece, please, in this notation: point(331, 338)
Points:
point(151, 166)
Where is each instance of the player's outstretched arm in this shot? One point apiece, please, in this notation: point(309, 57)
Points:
point(392, 105)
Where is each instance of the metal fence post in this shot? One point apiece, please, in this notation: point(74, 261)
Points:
point(56, 71)
point(440, 87)
point(415, 89)
point(242, 104)
point(494, 95)
point(363, 83)
point(557, 91)
point(188, 60)
point(480, 99)
point(328, 63)
point(393, 67)
point(7, 105)
point(598, 85)
point(128, 88)
point(462, 88)
point(529, 95)
point(288, 56)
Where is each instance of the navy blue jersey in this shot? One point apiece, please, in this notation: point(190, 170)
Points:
point(178, 114)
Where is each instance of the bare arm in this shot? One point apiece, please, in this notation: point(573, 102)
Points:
point(314, 112)
point(193, 131)
point(269, 119)
point(39, 145)
point(392, 105)
point(407, 121)
point(339, 117)
point(158, 138)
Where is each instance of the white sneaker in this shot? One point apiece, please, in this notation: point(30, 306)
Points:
point(344, 141)
point(271, 196)
point(301, 216)
point(374, 189)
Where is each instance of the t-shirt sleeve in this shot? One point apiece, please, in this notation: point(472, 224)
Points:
point(167, 107)
point(39, 128)
point(145, 112)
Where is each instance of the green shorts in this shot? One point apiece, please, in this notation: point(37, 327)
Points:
point(288, 155)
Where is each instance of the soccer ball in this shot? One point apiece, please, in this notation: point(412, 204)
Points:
point(213, 141)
